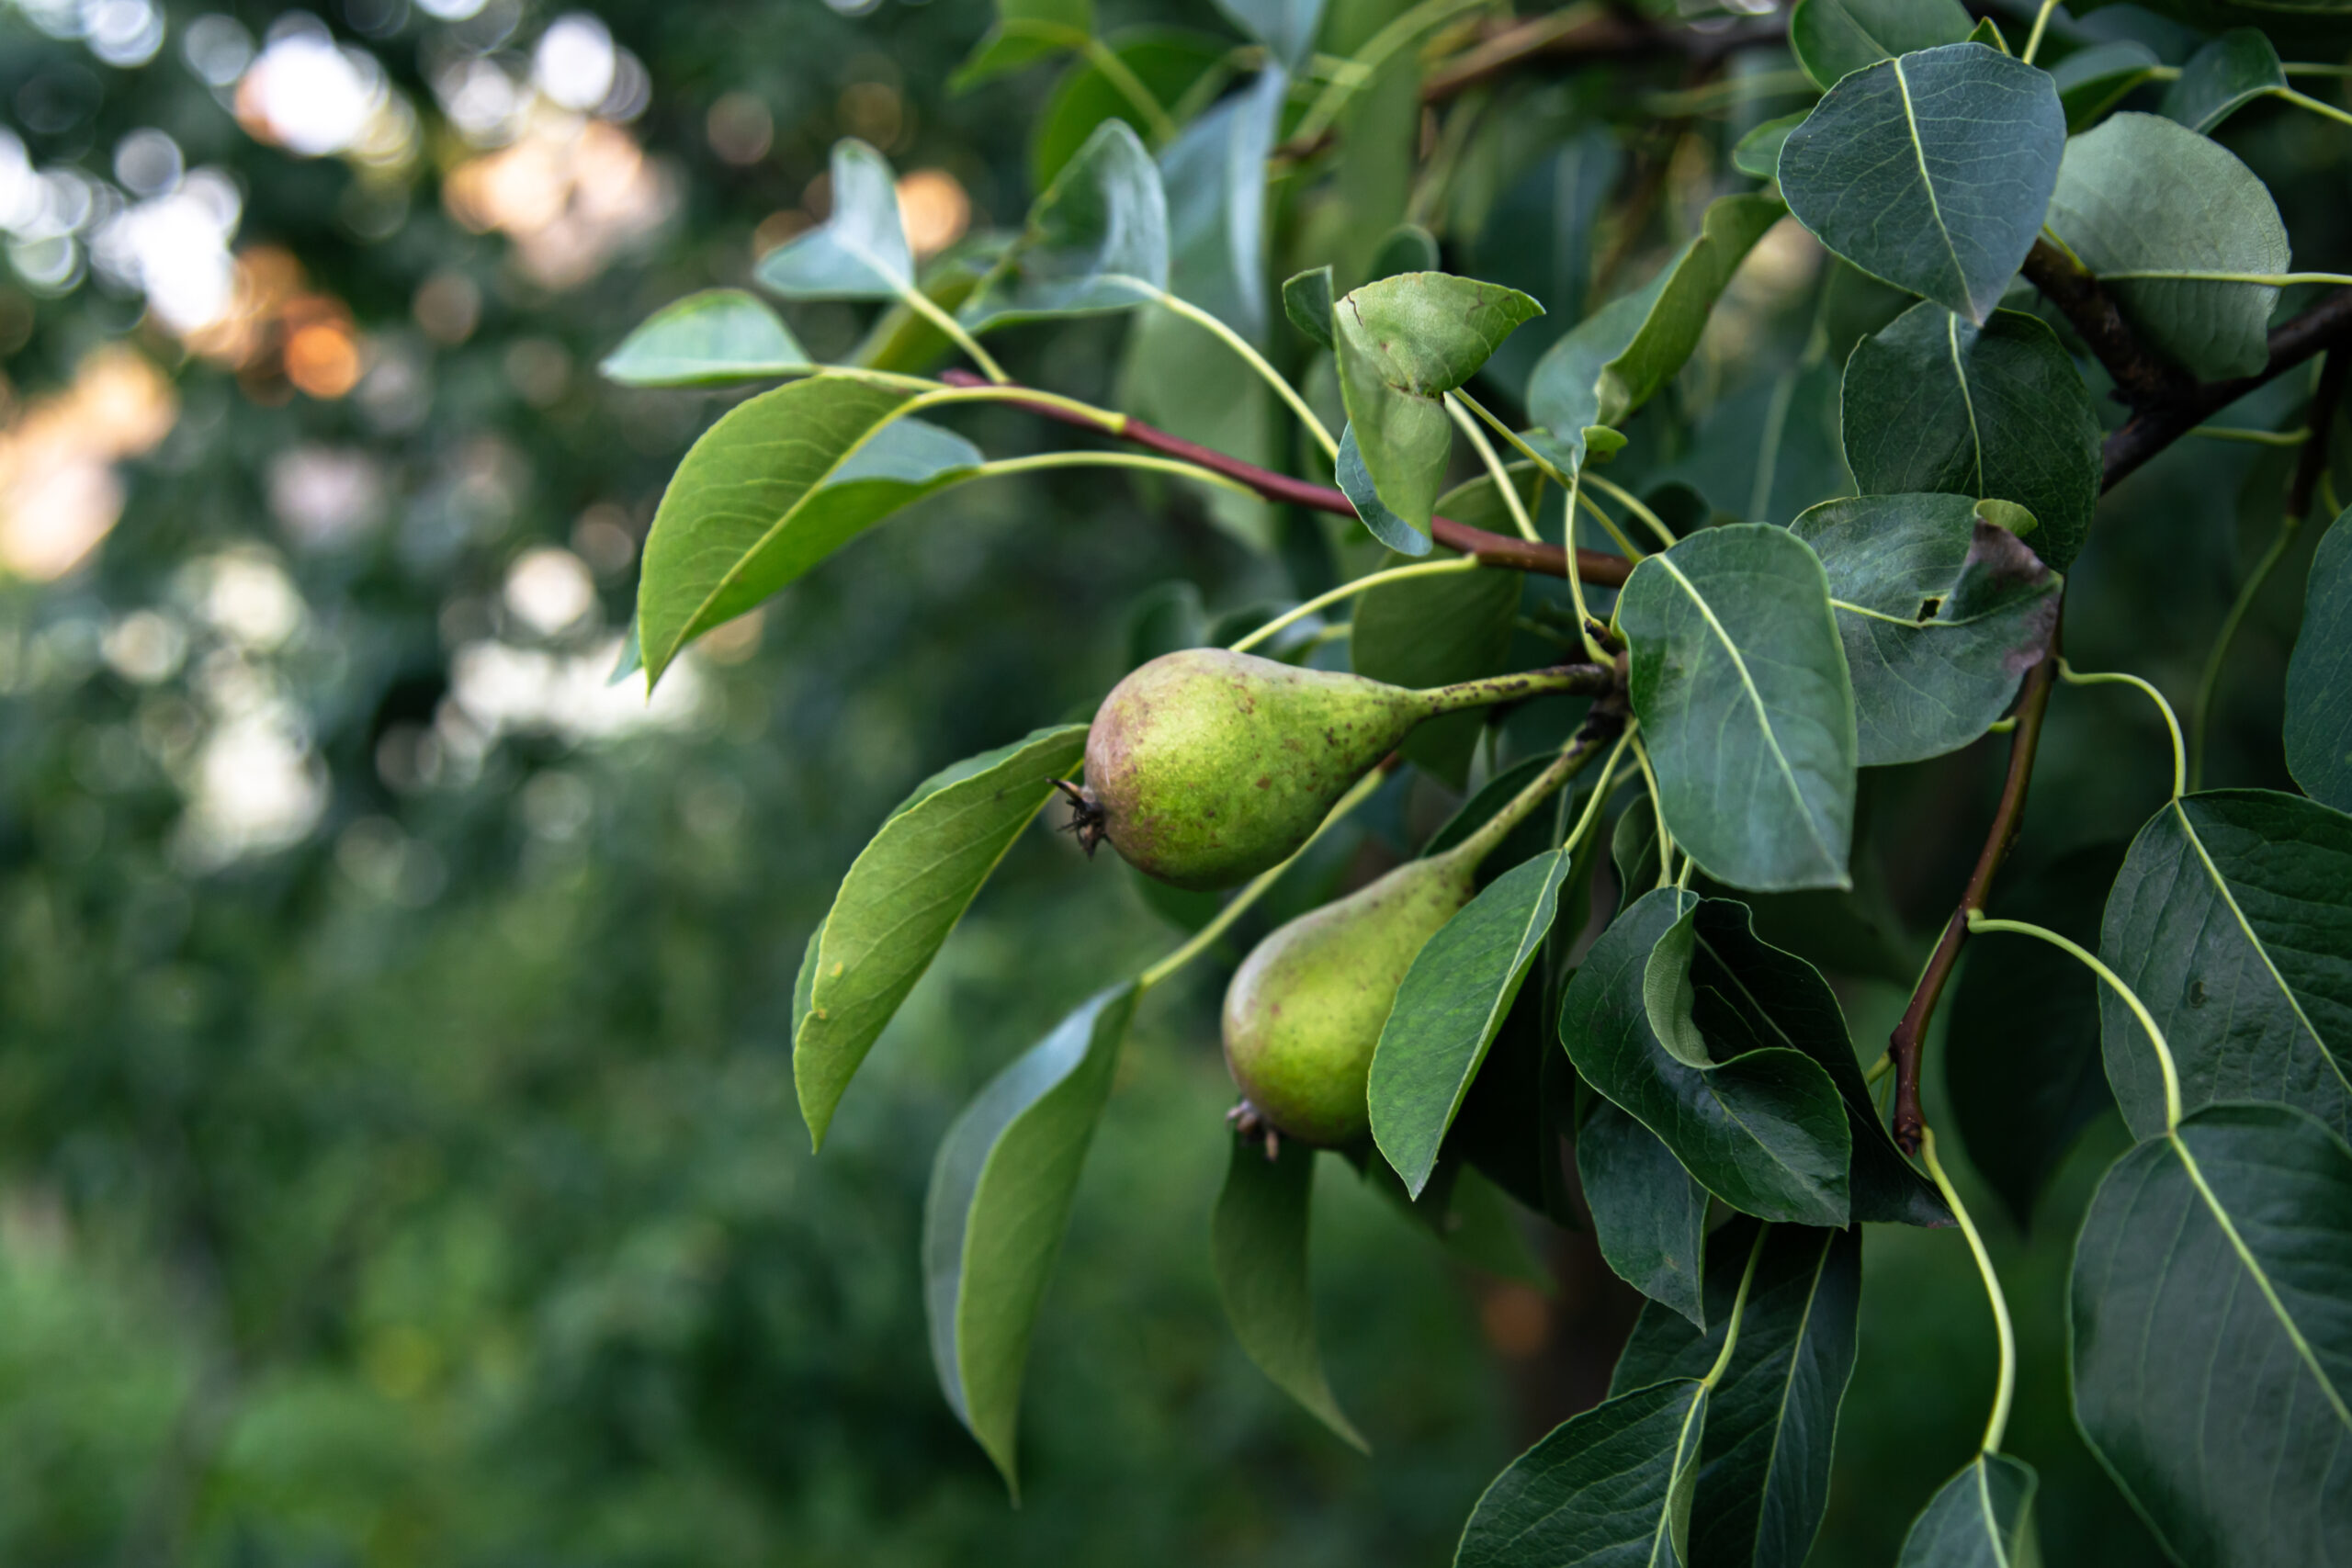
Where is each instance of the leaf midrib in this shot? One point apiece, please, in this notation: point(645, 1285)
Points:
point(1927, 181)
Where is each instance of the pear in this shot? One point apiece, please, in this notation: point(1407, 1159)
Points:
point(1305, 1012)
point(1204, 768)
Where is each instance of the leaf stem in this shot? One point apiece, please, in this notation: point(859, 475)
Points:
point(1657, 815)
point(1581, 749)
point(2189, 275)
point(1978, 922)
point(924, 304)
point(1369, 60)
point(1600, 790)
point(2004, 1391)
point(1738, 1310)
point(2317, 105)
point(1256, 361)
point(1609, 526)
point(1201, 940)
point(1115, 71)
point(2041, 25)
point(2074, 677)
point(1350, 589)
point(1068, 409)
point(1634, 504)
point(2208, 683)
point(2254, 437)
point(1040, 461)
point(1495, 469)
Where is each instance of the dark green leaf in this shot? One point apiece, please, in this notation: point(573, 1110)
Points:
point(2232, 921)
point(903, 895)
point(1096, 240)
point(1932, 171)
point(1258, 1243)
point(2212, 1349)
point(1634, 850)
point(1618, 357)
point(1764, 1463)
point(1025, 32)
point(1540, 236)
point(1306, 301)
point(1770, 449)
point(1168, 62)
point(1988, 32)
point(860, 251)
point(707, 340)
point(1941, 613)
point(999, 1200)
point(1287, 27)
point(1355, 483)
point(1452, 1001)
point(1836, 37)
point(1999, 412)
point(2093, 80)
point(2222, 78)
point(770, 489)
point(1610, 1487)
point(1765, 1131)
point(1979, 1519)
point(1403, 343)
point(1491, 798)
point(2142, 195)
point(2319, 677)
point(1649, 1218)
point(1214, 174)
point(1757, 153)
point(2022, 1057)
point(1434, 631)
point(1740, 682)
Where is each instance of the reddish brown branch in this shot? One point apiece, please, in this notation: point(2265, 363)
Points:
point(1569, 38)
point(2144, 379)
point(1487, 549)
point(2325, 325)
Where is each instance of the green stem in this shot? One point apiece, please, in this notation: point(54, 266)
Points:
point(1571, 760)
point(1738, 1310)
point(2184, 274)
point(1632, 504)
point(1609, 526)
point(1173, 466)
point(1116, 72)
point(2317, 105)
point(2210, 682)
point(1573, 680)
point(2041, 25)
point(1599, 791)
point(924, 304)
point(2074, 677)
point(1256, 361)
point(2254, 437)
point(1978, 922)
point(1203, 940)
point(1657, 816)
point(1104, 420)
point(1350, 589)
point(1454, 403)
point(2307, 68)
point(1995, 1429)
point(1372, 57)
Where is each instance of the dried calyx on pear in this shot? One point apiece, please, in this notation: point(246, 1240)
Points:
point(1204, 767)
point(1306, 1009)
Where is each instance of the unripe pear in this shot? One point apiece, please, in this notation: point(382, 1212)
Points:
point(1307, 1007)
point(1205, 767)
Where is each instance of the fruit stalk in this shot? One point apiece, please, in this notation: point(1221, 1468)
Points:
point(1576, 680)
point(1600, 728)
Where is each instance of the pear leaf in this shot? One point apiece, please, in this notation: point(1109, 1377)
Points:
point(707, 339)
point(2221, 78)
point(860, 251)
point(1836, 37)
point(2319, 677)
point(1096, 240)
point(1258, 1244)
point(1979, 1519)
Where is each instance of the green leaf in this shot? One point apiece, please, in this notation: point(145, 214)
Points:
point(2212, 1349)
point(1168, 62)
point(1452, 1001)
point(1214, 174)
point(860, 251)
point(2232, 921)
point(1634, 849)
point(1932, 171)
point(1997, 411)
point(1306, 301)
point(1611, 1486)
point(1771, 448)
point(2093, 80)
point(2223, 77)
point(2022, 1057)
point(1000, 1201)
point(1490, 797)
point(2140, 195)
point(1287, 27)
point(2319, 677)
point(1740, 682)
point(903, 896)
point(1764, 1461)
point(1258, 1244)
point(1979, 1519)
point(1757, 153)
point(1941, 613)
point(1097, 238)
point(1025, 32)
point(804, 984)
point(707, 340)
point(1649, 1218)
point(1833, 39)
point(1742, 993)
point(1355, 483)
point(1988, 32)
point(1765, 1131)
point(774, 487)
point(1403, 343)
point(1408, 247)
point(907, 341)
point(1618, 357)
point(1434, 631)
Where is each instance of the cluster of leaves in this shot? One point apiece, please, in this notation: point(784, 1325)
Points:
point(1902, 592)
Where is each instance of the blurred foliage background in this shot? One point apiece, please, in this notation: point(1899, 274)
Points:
point(398, 1157)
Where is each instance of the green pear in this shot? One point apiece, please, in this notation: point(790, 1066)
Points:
point(1204, 767)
